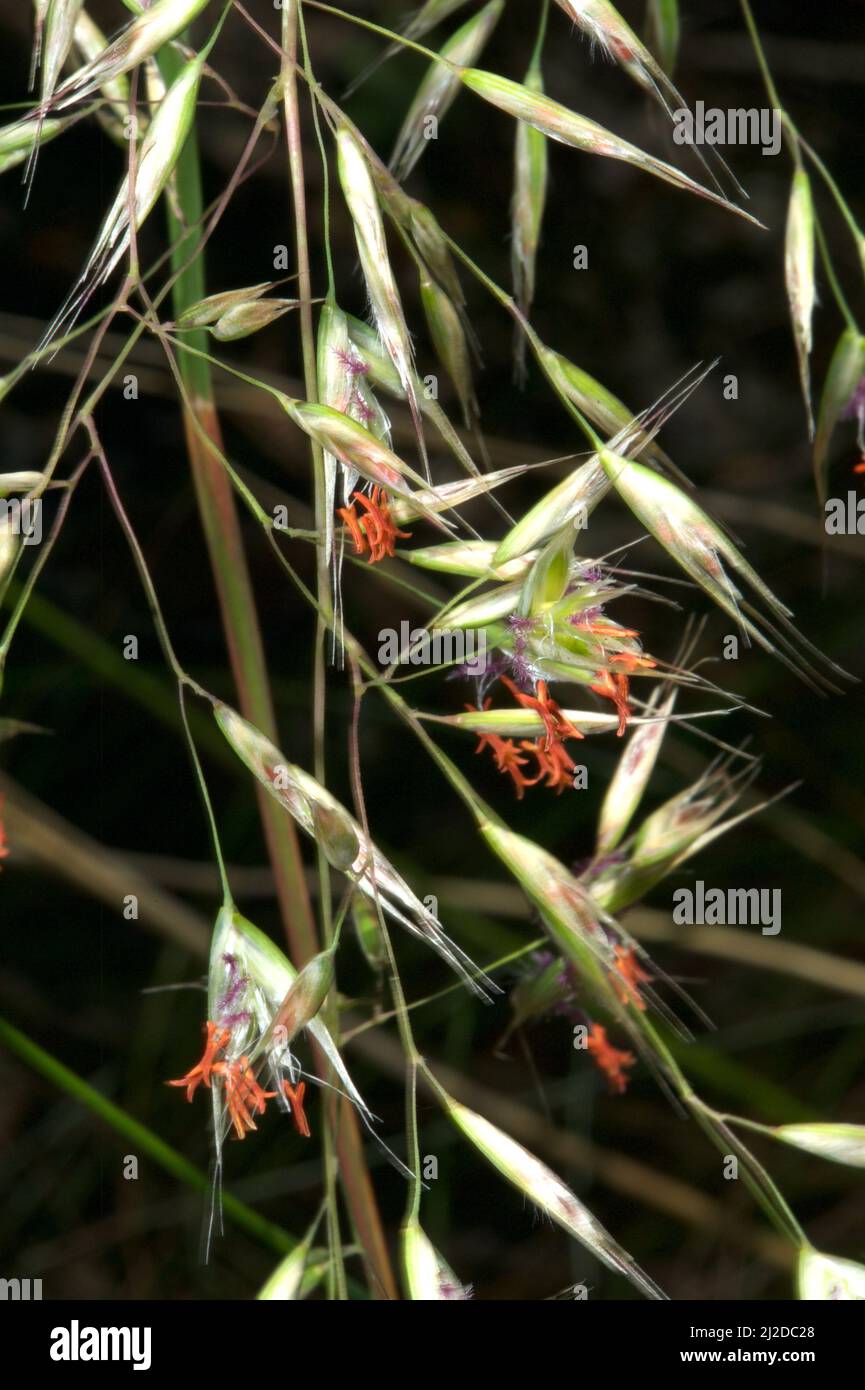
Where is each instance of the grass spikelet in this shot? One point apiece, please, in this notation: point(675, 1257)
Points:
point(526, 723)
point(559, 123)
point(359, 449)
point(242, 320)
point(546, 1191)
point(286, 1282)
point(160, 150)
point(139, 40)
point(451, 344)
point(362, 202)
point(839, 1143)
point(429, 16)
point(205, 312)
point(825, 1278)
point(527, 208)
point(573, 499)
point(322, 817)
point(799, 253)
point(846, 371)
point(667, 838)
point(22, 481)
point(630, 778)
point(440, 87)
point(604, 25)
point(383, 374)
point(472, 559)
point(428, 1277)
point(699, 545)
point(599, 405)
point(304, 998)
point(19, 140)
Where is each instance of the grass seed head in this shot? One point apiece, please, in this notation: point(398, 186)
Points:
point(473, 559)
point(206, 311)
point(839, 1143)
point(799, 254)
point(322, 817)
point(362, 201)
point(428, 1277)
point(242, 320)
point(633, 771)
point(571, 500)
point(559, 123)
point(141, 39)
point(440, 87)
point(527, 207)
point(450, 342)
point(304, 999)
point(546, 1190)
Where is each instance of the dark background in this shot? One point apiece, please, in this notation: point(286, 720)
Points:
point(671, 281)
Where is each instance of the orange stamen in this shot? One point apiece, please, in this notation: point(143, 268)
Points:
point(554, 763)
point(375, 530)
point(295, 1095)
point(555, 723)
point(243, 1095)
point(632, 976)
point(615, 688)
point(609, 1060)
point(506, 754)
point(201, 1072)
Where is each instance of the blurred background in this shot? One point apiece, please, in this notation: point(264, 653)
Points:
point(103, 803)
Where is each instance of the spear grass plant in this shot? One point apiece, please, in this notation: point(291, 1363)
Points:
point(564, 662)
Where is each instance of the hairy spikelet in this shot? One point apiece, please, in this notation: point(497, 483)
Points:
point(527, 208)
point(360, 195)
point(343, 842)
point(799, 252)
point(157, 157)
point(139, 40)
point(541, 1186)
point(440, 88)
point(559, 123)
